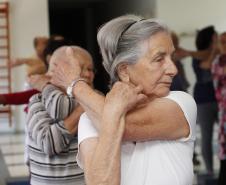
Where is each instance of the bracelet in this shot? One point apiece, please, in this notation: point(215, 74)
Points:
point(72, 85)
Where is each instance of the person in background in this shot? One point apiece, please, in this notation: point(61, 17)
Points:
point(35, 81)
point(204, 93)
point(180, 82)
point(22, 97)
point(219, 79)
point(35, 64)
point(52, 126)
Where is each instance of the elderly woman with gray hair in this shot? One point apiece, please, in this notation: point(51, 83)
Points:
point(155, 137)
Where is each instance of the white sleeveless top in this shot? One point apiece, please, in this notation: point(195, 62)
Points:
point(165, 162)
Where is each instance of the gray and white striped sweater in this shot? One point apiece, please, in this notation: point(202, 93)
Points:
point(52, 149)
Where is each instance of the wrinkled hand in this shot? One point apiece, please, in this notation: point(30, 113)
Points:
point(124, 97)
point(66, 71)
point(38, 81)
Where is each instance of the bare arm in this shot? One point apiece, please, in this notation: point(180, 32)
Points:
point(93, 103)
point(101, 157)
point(181, 53)
point(71, 122)
point(39, 68)
point(161, 119)
point(200, 55)
point(21, 61)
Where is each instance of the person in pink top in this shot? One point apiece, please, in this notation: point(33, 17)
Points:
point(219, 79)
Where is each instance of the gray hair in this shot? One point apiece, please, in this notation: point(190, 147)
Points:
point(119, 40)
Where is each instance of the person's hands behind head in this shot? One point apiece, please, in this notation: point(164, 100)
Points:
point(38, 81)
point(123, 97)
point(66, 71)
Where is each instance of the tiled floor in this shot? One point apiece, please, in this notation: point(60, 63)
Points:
point(12, 148)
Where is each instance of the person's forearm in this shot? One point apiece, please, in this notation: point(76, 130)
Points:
point(200, 55)
point(104, 168)
point(148, 122)
point(91, 101)
point(21, 61)
point(157, 126)
point(50, 135)
point(57, 103)
point(71, 123)
point(40, 69)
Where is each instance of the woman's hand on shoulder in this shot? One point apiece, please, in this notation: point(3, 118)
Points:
point(123, 97)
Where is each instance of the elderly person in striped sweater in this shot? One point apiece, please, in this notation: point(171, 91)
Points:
point(52, 127)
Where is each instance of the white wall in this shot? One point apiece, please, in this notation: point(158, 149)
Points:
point(28, 18)
point(185, 17)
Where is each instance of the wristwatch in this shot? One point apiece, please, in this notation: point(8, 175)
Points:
point(72, 85)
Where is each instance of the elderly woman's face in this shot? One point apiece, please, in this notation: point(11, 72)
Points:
point(155, 69)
